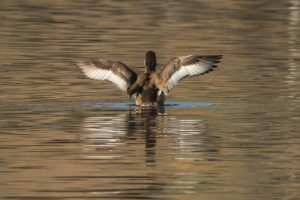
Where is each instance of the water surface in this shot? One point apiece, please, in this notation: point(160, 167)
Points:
point(231, 134)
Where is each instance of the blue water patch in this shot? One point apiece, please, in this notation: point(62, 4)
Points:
point(188, 104)
point(128, 105)
point(119, 105)
point(111, 105)
point(64, 105)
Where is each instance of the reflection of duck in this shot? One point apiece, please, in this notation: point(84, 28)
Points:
point(150, 87)
point(103, 136)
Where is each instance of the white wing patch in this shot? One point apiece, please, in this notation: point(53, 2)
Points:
point(188, 71)
point(103, 75)
point(177, 77)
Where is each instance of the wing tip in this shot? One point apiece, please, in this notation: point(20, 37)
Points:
point(77, 62)
point(215, 58)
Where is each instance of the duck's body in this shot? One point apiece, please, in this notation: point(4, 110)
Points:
point(150, 87)
point(147, 93)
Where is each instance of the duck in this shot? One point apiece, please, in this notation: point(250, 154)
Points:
point(151, 87)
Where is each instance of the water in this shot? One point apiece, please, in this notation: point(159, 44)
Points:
point(231, 134)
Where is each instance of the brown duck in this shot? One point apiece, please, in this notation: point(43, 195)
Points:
point(150, 87)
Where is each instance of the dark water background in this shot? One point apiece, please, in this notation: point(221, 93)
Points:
point(231, 134)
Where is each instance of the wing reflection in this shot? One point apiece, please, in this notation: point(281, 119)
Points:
point(149, 130)
point(106, 130)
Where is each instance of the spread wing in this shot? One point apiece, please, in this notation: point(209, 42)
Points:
point(114, 72)
point(182, 67)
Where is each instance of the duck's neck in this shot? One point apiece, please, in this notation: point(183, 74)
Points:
point(150, 62)
point(149, 70)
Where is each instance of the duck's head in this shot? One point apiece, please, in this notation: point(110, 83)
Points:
point(150, 61)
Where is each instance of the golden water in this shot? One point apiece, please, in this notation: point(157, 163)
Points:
point(231, 134)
